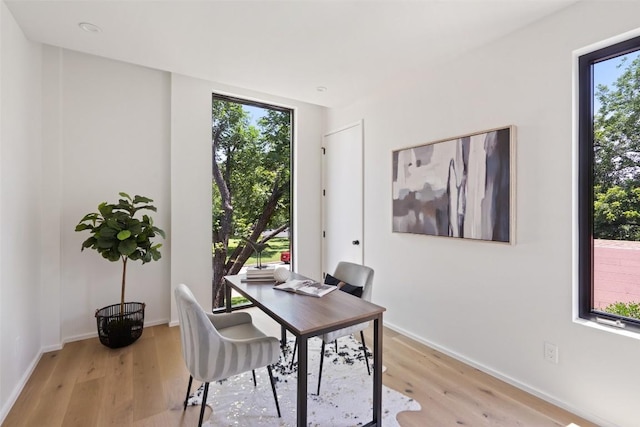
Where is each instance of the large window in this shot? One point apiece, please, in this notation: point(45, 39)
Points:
point(251, 188)
point(609, 185)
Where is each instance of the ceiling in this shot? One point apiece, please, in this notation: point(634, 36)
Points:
point(285, 48)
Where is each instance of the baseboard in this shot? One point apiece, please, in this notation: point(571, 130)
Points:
point(156, 322)
point(49, 348)
point(512, 381)
point(18, 389)
point(81, 337)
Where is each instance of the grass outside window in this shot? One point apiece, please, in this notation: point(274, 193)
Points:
point(269, 255)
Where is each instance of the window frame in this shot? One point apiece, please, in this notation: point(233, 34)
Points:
point(292, 117)
point(586, 92)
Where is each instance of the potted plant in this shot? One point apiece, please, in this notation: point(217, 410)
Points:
point(119, 236)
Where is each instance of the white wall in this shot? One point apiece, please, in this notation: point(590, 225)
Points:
point(191, 181)
point(112, 130)
point(113, 126)
point(494, 305)
point(20, 200)
point(51, 257)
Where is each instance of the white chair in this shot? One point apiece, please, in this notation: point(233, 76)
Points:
point(217, 346)
point(355, 275)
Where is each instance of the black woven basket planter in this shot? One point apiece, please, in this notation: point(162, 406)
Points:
point(117, 329)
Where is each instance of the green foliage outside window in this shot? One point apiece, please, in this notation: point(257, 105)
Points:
point(616, 213)
point(616, 169)
point(629, 309)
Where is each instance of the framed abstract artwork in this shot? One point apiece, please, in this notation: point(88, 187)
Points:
point(461, 187)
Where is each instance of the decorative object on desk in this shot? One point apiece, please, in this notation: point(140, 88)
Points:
point(281, 274)
point(306, 287)
point(258, 247)
point(264, 274)
point(461, 187)
point(118, 235)
point(346, 401)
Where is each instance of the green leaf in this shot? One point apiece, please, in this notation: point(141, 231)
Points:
point(81, 227)
point(112, 256)
point(155, 254)
point(113, 223)
point(90, 217)
point(127, 247)
point(122, 217)
point(149, 207)
point(88, 243)
point(107, 232)
point(105, 209)
point(124, 195)
point(124, 235)
point(141, 199)
point(135, 227)
point(104, 243)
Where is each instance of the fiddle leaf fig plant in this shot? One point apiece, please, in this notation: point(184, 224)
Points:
point(118, 235)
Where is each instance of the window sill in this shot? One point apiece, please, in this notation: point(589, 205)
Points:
point(630, 333)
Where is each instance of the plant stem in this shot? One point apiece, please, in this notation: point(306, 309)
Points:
point(124, 275)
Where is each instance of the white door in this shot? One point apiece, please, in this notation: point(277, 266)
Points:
point(342, 206)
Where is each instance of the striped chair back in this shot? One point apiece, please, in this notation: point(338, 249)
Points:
point(212, 355)
point(208, 356)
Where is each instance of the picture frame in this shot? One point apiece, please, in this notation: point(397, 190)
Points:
point(460, 187)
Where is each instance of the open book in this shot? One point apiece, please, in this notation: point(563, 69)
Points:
point(306, 287)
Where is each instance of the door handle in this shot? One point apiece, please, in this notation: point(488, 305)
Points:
point(355, 242)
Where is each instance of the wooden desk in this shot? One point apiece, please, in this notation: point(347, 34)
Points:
point(305, 317)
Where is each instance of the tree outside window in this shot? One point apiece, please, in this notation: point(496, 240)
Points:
point(251, 180)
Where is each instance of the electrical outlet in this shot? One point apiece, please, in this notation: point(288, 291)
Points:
point(551, 352)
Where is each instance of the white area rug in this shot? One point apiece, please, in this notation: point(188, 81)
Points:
point(345, 395)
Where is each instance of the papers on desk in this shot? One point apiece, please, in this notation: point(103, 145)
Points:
point(306, 287)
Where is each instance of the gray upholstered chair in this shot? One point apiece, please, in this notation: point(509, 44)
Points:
point(217, 346)
point(355, 275)
point(359, 276)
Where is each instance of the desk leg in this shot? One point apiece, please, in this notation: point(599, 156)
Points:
point(227, 296)
point(283, 336)
point(302, 382)
point(377, 371)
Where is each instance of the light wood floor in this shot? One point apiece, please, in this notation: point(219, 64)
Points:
point(87, 384)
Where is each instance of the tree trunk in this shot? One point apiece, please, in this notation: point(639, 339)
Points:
point(221, 238)
point(242, 252)
point(124, 275)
